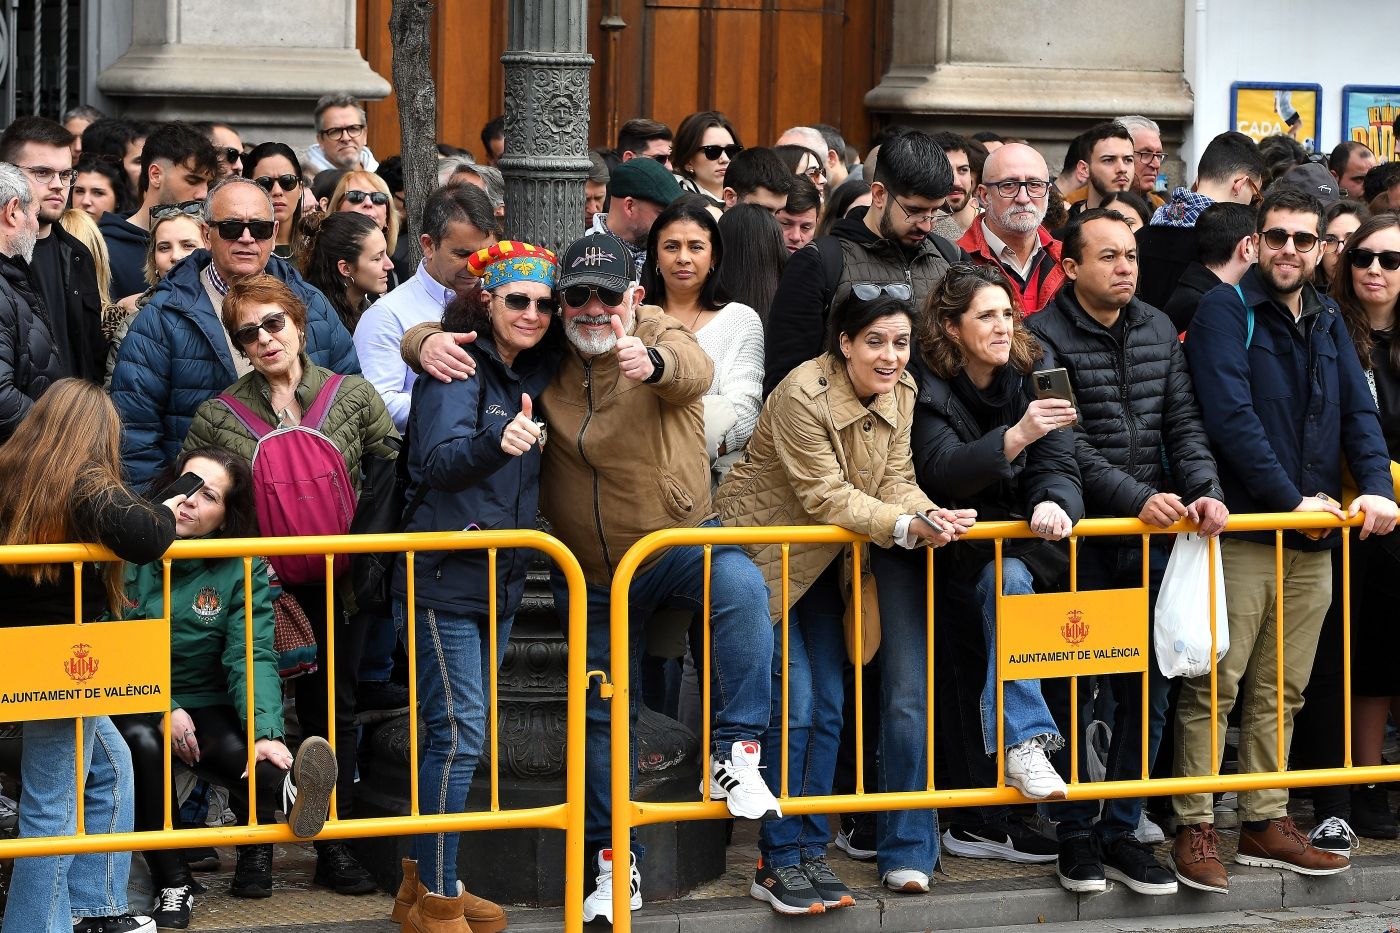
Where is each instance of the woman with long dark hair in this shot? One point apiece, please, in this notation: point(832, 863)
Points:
point(1339, 222)
point(706, 143)
point(100, 187)
point(756, 259)
point(345, 255)
point(850, 194)
point(276, 169)
point(60, 481)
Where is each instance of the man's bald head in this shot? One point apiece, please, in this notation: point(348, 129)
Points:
point(1015, 159)
point(1020, 213)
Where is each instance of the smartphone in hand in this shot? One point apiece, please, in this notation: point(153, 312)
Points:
point(187, 485)
point(1054, 383)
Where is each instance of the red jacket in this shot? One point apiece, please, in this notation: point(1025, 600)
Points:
point(1046, 276)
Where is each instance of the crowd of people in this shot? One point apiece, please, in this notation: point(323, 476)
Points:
point(203, 338)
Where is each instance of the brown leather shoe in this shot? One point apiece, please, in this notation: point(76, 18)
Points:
point(1282, 845)
point(409, 892)
point(1195, 858)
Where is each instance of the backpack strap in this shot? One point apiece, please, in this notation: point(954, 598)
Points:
point(950, 251)
point(322, 404)
point(833, 261)
point(1249, 318)
point(255, 425)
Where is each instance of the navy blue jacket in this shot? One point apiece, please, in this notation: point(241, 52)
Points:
point(1282, 412)
point(126, 254)
point(176, 356)
point(454, 446)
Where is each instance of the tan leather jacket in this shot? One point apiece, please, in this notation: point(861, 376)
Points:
point(818, 456)
point(622, 458)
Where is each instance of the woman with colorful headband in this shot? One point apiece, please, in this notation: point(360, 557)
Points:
point(473, 460)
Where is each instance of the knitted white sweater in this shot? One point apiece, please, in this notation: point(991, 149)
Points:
point(734, 340)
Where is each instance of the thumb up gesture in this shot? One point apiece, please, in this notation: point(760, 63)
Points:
point(522, 432)
point(632, 356)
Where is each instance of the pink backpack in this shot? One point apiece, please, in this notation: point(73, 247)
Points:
point(300, 484)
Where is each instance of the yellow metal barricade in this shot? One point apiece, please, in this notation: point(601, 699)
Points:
point(566, 816)
point(628, 813)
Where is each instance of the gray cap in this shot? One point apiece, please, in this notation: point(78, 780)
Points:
point(1314, 178)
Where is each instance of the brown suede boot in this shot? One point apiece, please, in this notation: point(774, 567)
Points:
point(1196, 861)
point(437, 914)
point(483, 915)
point(1281, 844)
point(410, 891)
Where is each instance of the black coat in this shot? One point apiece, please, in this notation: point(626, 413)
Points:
point(1163, 255)
point(87, 353)
point(1138, 415)
point(1190, 289)
point(958, 466)
point(29, 362)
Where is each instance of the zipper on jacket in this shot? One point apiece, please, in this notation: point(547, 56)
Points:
point(1127, 399)
point(587, 417)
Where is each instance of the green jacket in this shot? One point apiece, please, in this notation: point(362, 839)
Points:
point(356, 423)
point(206, 635)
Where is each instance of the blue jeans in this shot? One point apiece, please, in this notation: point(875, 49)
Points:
point(816, 655)
point(454, 690)
point(904, 838)
point(742, 650)
point(1105, 566)
point(47, 892)
point(1023, 706)
point(381, 637)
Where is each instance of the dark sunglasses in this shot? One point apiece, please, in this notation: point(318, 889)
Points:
point(576, 296)
point(713, 152)
point(232, 230)
point(285, 182)
point(1362, 259)
point(869, 291)
point(377, 198)
point(228, 154)
point(248, 333)
point(1277, 239)
point(186, 208)
point(518, 302)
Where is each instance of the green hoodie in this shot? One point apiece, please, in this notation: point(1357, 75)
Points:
point(206, 635)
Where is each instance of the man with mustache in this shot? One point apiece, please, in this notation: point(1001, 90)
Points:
point(1009, 233)
point(1111, 165)
point(967, 156)
point(29, 361)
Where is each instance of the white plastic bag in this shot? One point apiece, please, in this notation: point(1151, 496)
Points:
point(1181, 635)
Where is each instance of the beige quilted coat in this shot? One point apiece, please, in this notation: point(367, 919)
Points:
point(820, 457)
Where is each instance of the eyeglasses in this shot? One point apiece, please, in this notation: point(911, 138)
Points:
point(869, 291)
point(576, 296)
point(815, 172)
point(662, 157)
point(914, 218)
point(518, 302)
point(377, 198)
point(184, 208)
point(286, 182)
point(340, 132)
point(1009, 188)
point(248, 333)
point(1363, 258)
point(228, 154)
point(1150, 157)
point(1335, 241)
point(43, 174)
point(232, 230)
point(1278, 238)
point(714, 152)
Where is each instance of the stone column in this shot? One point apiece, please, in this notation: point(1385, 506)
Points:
point(258, 66)
point(546, 155)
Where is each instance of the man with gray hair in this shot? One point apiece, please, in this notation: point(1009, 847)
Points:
point(176, 352)
point(1148, 156)
point(341, 126)
point(29, 361)
point(836, 171)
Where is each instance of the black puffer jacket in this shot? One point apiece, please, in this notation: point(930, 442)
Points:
point(1138, 413)
point(29, 363)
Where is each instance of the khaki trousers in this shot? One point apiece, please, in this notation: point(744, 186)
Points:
point(1249, 672)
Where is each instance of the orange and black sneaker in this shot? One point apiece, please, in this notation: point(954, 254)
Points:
point(786, 889)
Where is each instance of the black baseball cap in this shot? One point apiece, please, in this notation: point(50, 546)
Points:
point(599, 259)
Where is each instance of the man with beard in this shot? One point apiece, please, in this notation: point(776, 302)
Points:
point(967, 156)
point(1110, 165)
point(1009, 234)
point(626, 457)
point(1286, 404)
point(29, 361)
point(888, 244)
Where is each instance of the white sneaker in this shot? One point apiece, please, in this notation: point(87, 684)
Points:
point(1148, 832)
point(600, 902)
point(1029, 771)
point(738, 783)
point(906, 881)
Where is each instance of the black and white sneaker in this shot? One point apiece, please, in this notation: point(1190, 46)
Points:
point(306, 790)
point(1334, 835)
point(1080, 865)
point(831, 889)
point(787, 890)
point(1133, 863)
point(1008, 842)
point(173, 908)
point(857, 837)
point(126, 923)
point(738, 783)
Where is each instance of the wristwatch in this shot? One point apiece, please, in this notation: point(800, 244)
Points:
point(658, 366)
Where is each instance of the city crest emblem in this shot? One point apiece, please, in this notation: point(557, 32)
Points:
point(207, 603)
point(1075, 629)
point(82, 665)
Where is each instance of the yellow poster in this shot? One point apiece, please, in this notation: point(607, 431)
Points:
point(94, 669)
point(1261, 110)
point(1066, 634)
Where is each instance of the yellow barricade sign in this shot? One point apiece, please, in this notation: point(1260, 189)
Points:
point(95, 669)
point(1064, 634)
